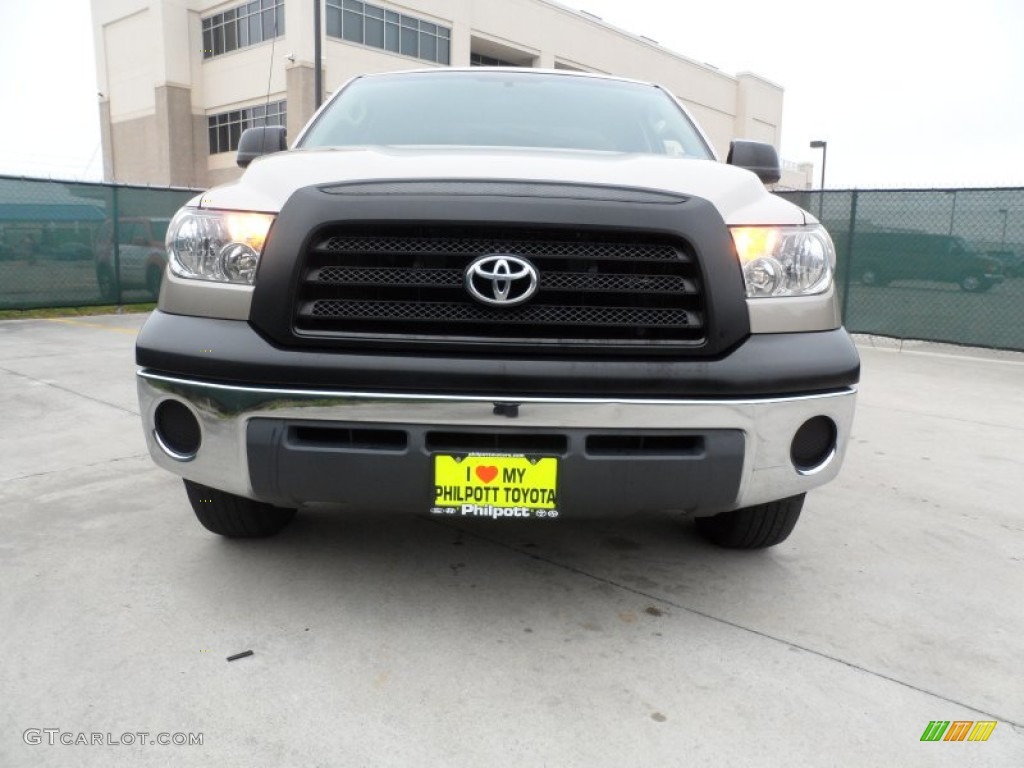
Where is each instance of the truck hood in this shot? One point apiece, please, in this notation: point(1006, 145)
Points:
point(269, 181)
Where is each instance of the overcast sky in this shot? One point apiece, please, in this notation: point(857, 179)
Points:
point(906, 92)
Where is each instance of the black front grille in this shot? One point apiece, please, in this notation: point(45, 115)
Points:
point(625, 289)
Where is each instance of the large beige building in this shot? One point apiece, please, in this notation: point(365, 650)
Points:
point(180, 79)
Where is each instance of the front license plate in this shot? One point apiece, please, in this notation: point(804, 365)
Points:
point(495, 486)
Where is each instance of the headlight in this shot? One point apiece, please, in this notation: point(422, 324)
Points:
point(217, 245)
point(785, 261)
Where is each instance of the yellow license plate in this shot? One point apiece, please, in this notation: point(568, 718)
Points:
point(495, 486)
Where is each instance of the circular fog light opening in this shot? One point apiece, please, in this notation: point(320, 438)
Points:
point(177, 430)
point(814, 444)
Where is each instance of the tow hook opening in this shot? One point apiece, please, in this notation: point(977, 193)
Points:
point(176, 430)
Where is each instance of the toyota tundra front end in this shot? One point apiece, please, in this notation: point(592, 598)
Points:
point(499, 294)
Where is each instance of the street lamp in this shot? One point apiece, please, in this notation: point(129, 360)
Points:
point(823, 146)
point(318, 63)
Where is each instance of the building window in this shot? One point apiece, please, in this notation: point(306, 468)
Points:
point(226, 128)
point(479, 60)
point(243, 25)
point(370, 25)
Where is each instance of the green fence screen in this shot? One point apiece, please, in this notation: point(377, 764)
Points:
point(939, 265)
point(70, 244)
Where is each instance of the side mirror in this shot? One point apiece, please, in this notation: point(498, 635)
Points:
point(256, 142)
point(755, 156)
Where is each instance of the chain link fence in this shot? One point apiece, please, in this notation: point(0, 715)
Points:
point(72, 244)
point(944, 265)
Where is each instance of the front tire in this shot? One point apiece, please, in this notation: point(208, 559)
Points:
point(105, 282)
point(154, 276)
point(757, 527)
point(972, 284)
point(235, 516)
point(872, 278)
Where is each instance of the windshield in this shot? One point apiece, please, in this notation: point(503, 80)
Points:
point(506, 109)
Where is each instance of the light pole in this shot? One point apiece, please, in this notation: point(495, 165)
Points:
point(318, 85)
point(1002, 240)
point(823, 146)
point(952, 213)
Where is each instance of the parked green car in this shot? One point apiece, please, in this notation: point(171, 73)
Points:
point(880, 258)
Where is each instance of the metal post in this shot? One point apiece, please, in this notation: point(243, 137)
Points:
point(1002, 240)
point(824, 162)
point(318, 85)
point(952, 214)
point(848, 266)
point(823, 146)
point(115, 233)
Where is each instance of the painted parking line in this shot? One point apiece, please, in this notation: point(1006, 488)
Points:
point(966, 357)
point(84, 323)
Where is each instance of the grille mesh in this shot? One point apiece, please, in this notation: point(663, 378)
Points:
point(476, 247)
point(386, 276)
point(401, 311)
point(571, 281)
point(408, 284)
point(583, 281)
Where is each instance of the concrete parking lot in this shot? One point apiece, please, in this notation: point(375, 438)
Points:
point(408, 641)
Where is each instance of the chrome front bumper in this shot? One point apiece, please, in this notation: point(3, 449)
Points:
point(224, 411)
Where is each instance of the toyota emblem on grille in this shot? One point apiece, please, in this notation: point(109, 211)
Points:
point(501, 279)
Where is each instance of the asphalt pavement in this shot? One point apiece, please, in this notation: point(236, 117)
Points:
point(412, 641)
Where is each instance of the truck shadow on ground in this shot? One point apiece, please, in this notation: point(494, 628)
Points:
point(335, 562)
